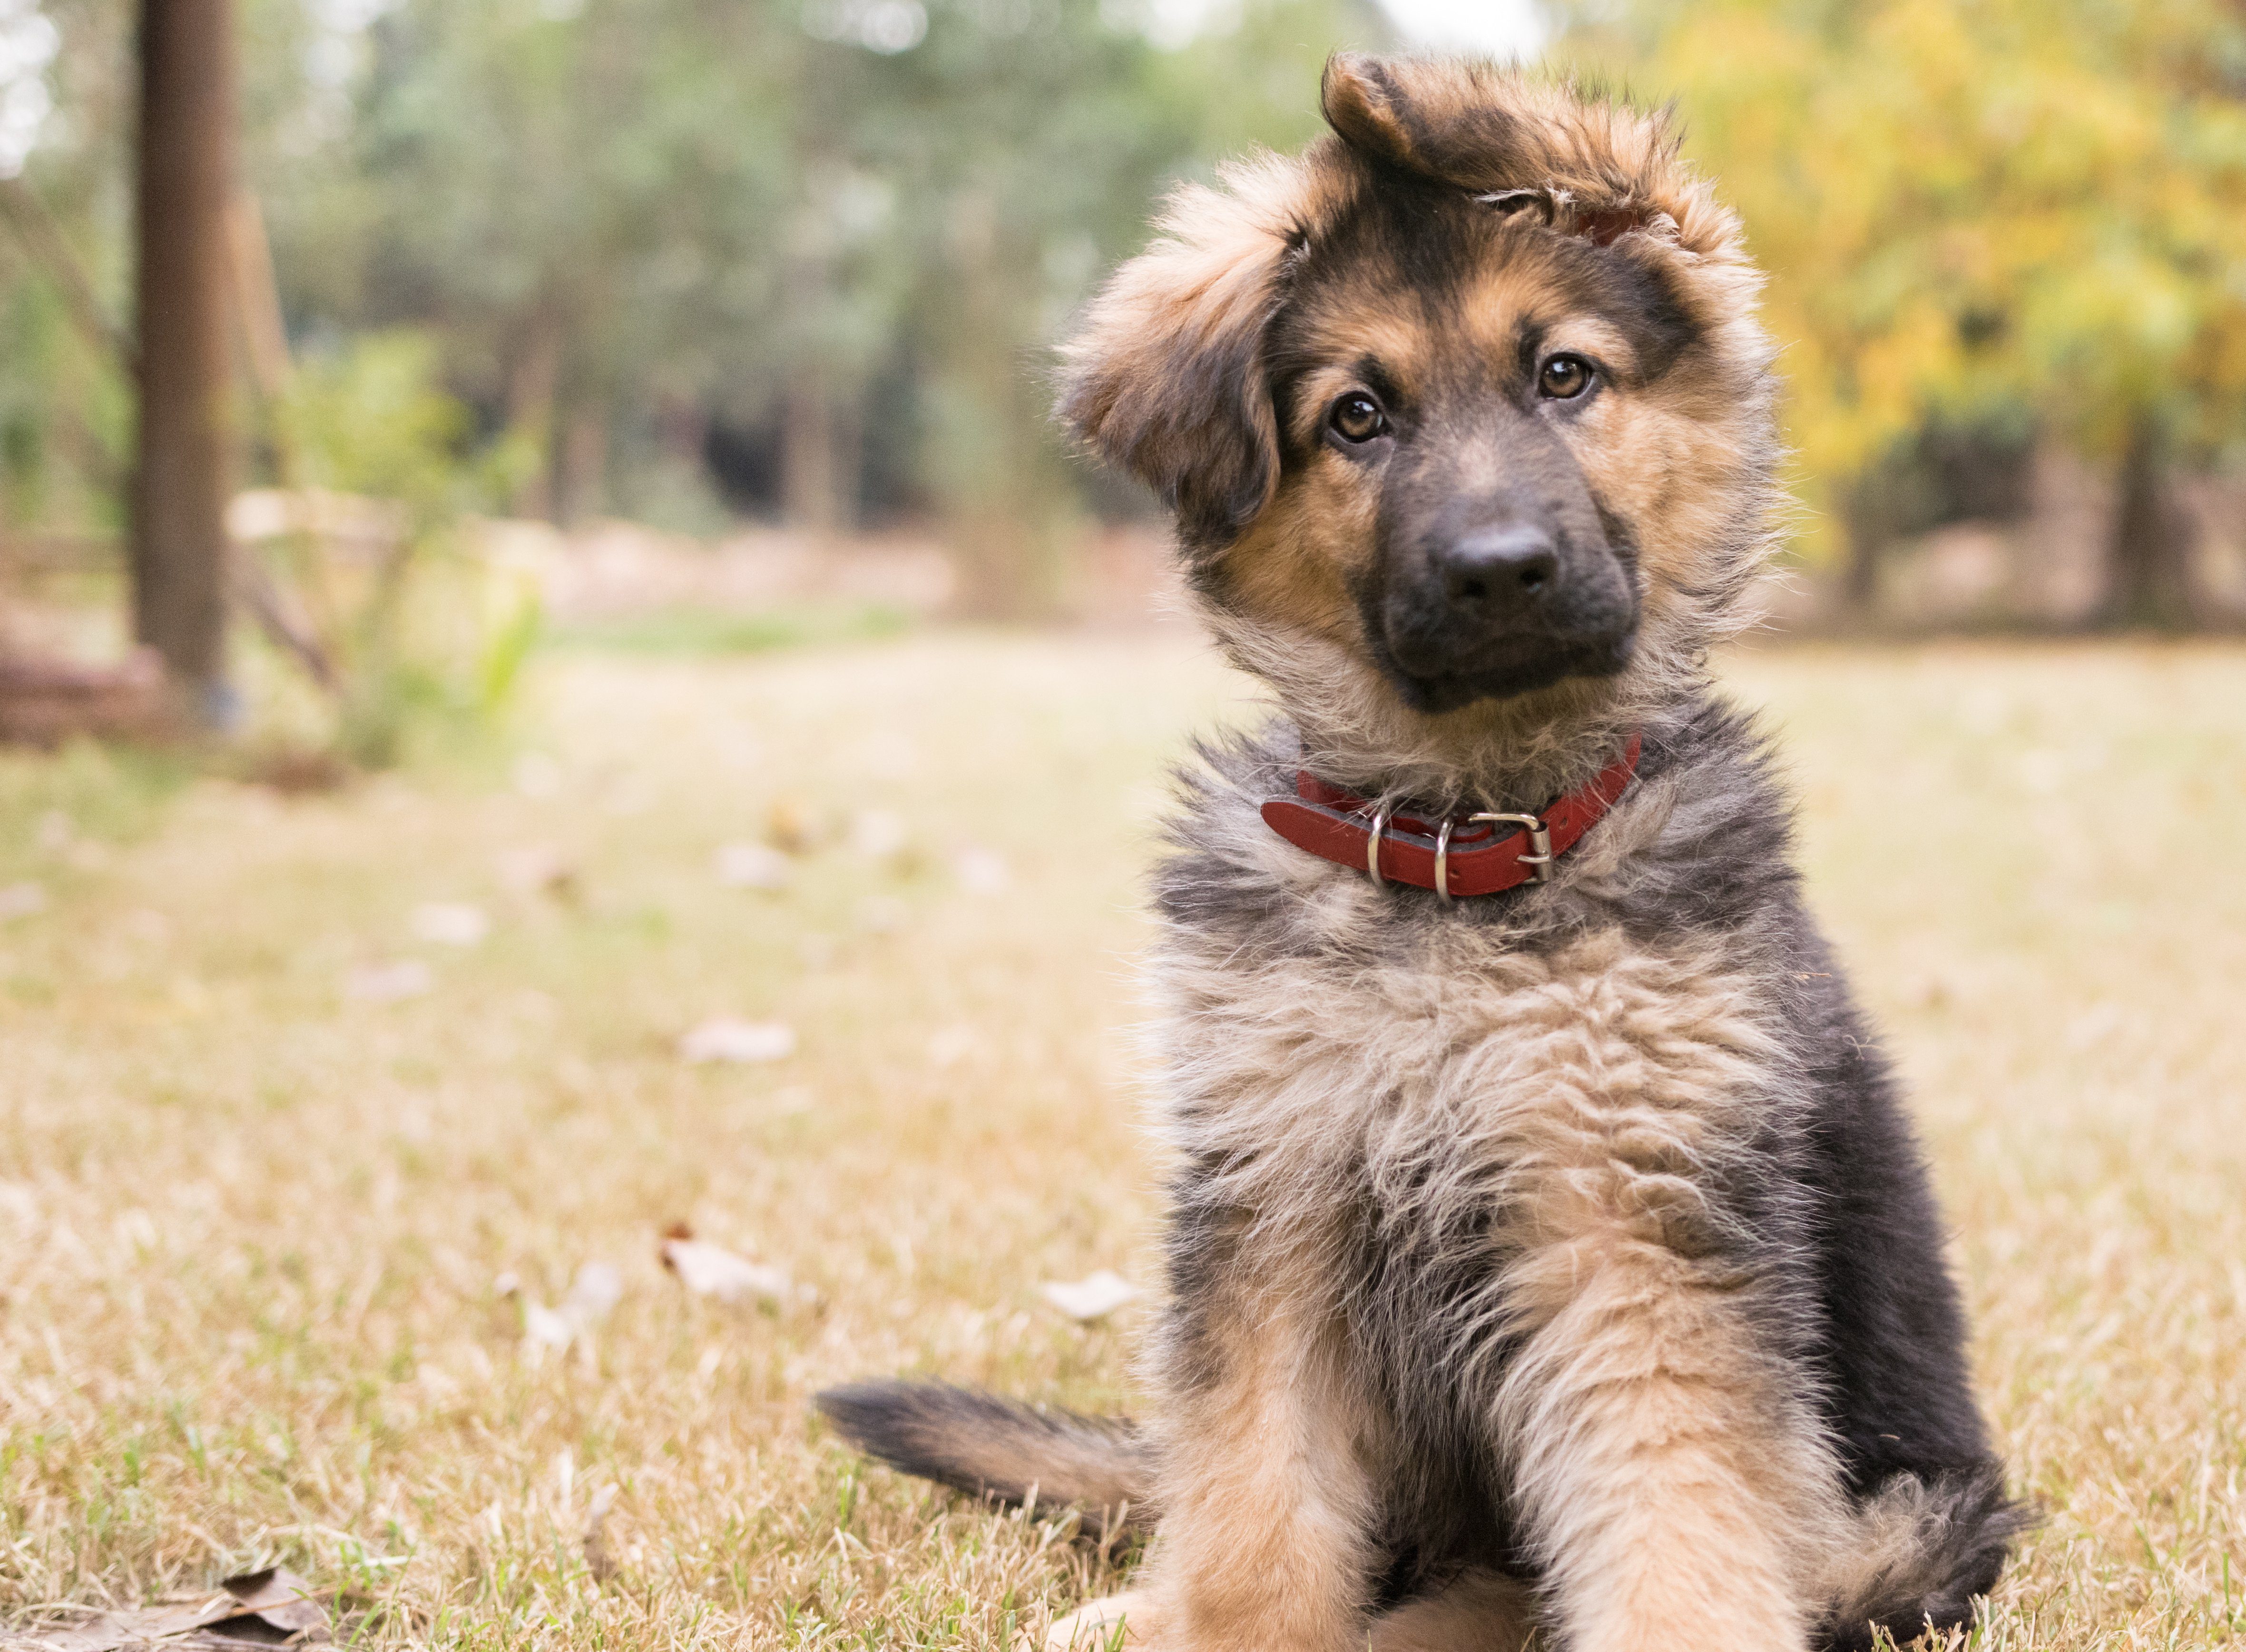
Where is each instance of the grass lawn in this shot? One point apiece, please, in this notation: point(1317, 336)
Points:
point(259, 1195)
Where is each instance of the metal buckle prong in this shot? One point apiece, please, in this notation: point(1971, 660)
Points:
point(1373, 845)
point(1540, 842)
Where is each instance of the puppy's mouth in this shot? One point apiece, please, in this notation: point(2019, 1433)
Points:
point(1520, 666)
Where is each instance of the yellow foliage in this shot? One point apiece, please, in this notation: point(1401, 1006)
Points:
point(1974, 205)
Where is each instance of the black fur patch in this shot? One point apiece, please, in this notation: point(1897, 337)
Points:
point(1970, 1526)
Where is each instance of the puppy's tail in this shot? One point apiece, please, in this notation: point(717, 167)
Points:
point(1922, 1551)
point(999, 1449)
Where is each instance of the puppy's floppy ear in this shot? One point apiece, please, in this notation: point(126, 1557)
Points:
point(1604, 170)
point(1166, 378)
point(1439, 119)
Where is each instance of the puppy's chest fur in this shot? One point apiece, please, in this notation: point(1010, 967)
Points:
point(1438, 1120)
point(1470, 1070)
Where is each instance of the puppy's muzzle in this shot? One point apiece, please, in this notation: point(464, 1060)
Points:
point(1503, 609)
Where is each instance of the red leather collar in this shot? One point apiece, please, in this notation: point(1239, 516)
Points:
point(1463, 855)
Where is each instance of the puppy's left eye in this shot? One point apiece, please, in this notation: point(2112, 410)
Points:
point(1565, 378)
point(1357, 417)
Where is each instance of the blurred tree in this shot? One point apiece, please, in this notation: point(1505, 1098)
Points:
point(1974, 213)
point(565, 191)
point(639, 215)
point(1030, 138)
point(184, 149)
point(830, 239)
point(67, 380)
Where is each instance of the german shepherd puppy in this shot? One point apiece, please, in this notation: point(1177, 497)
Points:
point(1549, 1250)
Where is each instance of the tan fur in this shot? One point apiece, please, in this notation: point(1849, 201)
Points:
point(1479, 1612)
point(1206, 284)
point(1129, 1619)
point(1264, 1531)
point(1048, 1471)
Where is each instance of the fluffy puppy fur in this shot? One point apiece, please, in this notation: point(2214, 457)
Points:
point(1558, 1261)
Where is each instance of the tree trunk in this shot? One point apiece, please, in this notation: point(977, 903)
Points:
point(179, 482)
point(534, 379)
point(1003, 505)
point(582, 491)
point(2148, 558)
point(811, 480)
point(1865, 522)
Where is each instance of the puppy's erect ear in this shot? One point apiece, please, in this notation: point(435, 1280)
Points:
point(1166, 378)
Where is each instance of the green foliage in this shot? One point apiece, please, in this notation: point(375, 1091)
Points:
point(1974, 211)
point(422, 631)
point(435, 658)
point(374, 419)
point(512, 619)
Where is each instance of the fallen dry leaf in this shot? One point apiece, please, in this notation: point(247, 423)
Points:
point(594, 1543)
point(543, 1327)
point(752, 866)
point(712, 1270)
point(537, 868)
point(592, 1296)
point(1094, 1297)
point(450, 924)
point(280, 1600)
point(727, 1040)
point(267, 1608)
point(387, 983)
point(21, 900)
point(981, 873)
point(876, 834)
point(789, 824)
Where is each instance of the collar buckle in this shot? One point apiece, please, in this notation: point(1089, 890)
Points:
point(1539, 858)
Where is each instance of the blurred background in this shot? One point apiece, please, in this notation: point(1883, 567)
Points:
point(434, 330)
point(530, 539)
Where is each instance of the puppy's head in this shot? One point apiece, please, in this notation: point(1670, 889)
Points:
point(1463, 410)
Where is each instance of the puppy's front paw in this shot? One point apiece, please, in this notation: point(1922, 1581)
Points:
point(1126, 1620)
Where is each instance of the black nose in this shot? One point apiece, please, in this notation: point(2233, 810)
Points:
point(1496, 571)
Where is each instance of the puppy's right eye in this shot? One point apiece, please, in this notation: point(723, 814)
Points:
point(1357, 417)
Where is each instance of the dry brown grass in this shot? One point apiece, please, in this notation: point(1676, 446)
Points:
point(251, 1229)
